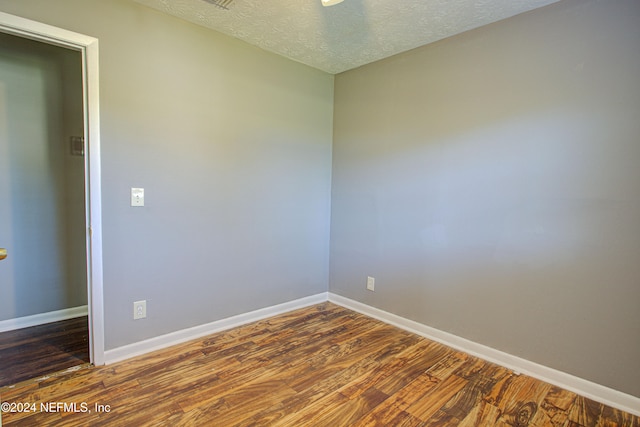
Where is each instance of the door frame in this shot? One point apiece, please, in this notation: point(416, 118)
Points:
point(88, 46)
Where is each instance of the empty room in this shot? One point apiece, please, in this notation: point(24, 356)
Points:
point(320, 213)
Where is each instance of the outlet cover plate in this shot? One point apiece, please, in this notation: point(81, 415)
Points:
point(137, 196)
point(139, 310)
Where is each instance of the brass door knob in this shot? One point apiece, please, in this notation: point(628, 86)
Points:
point(3, 253)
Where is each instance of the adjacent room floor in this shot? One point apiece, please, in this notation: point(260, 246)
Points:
point(32, 352)
point(319, 366)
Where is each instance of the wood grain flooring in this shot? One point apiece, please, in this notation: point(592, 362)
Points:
point(319, 366)
point(39, 350)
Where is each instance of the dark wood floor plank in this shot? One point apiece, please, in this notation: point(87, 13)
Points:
point(319, 366)
point(416, 361)
point(400, 401)
point(345, 379)
point(556, 406)
point(41, 350)
point(466, 406)
point(424, 409)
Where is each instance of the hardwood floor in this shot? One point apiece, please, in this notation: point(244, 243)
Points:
point(319, 366)
point(39, 350)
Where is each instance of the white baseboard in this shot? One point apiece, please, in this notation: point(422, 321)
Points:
point(42, 318)
point(173, 338)
point(561, 379)
point(569, 382)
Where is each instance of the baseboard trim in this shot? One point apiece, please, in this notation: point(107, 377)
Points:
point(173, 338)
point(591, 390)
point(43, 318)
point(597, 392)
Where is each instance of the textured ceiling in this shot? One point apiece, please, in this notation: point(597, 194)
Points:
point(347, 35)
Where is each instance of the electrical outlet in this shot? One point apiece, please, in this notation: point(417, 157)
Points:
point(371, 283)
point(139, 310)
point(137, 197)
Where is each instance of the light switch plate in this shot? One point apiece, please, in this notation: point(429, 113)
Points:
point(137, 197)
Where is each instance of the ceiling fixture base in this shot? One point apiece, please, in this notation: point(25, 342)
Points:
point(222, 4)
point(330, 2)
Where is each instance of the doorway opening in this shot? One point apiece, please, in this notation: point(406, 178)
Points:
point(50, 222)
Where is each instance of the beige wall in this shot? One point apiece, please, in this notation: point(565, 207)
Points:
point(490, 183)
point(233, 147)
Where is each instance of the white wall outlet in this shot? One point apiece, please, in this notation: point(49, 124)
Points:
point(137, 197)
point(139, 310)
point(371, 283)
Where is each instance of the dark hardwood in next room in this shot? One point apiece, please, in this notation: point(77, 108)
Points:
point(40, 350)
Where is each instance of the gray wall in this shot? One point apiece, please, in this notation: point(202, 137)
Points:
point(42, 225)
point(487, 181)
point(490, 183)
point(233, 147)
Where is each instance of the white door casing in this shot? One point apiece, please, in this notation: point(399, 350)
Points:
point(88, 46)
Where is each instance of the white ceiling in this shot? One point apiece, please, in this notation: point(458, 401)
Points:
point(349, 34)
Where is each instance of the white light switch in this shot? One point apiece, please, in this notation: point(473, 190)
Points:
point(137, 197)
